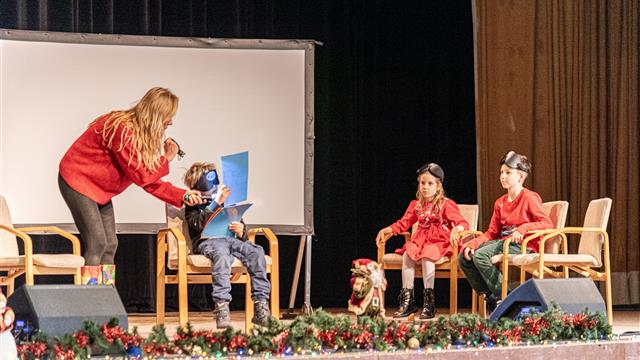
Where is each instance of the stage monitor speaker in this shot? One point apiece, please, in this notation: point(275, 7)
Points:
point(572, 295)
point(62, 309)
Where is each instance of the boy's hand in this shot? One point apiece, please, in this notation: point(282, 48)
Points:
point(468, 253)
point(516, 237)
point(192, 198)
point(238, 228)
point(222, 194)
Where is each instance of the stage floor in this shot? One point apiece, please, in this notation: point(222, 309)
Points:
point(623, 320)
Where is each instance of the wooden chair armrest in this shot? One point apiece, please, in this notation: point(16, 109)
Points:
point(465, 236)
point(26, 239)
point(271, 238)
point(532, 234)
point(572, 230)
point(181, 242)
point(75, 242)
point(381, 244)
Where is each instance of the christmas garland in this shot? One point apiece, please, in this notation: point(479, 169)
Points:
point(321, 333)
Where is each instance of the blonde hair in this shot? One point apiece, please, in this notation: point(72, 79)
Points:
point(437, 200)
point(143, 126)
point(194, 173)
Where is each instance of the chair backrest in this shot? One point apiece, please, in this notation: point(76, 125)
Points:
point(557, 212)
point(468, 212)
point(175, 218)
point(8, 242)
point(597, 216)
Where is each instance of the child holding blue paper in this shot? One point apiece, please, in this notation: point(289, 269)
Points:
point(203, 177)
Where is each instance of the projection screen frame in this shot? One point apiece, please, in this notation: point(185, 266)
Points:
point(212, 43)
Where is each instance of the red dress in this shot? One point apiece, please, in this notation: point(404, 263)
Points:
point(523, 214)
point(100, 172)
point(431, 238)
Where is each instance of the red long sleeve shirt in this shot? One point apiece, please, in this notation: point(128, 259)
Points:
point(100, 172)
point(524, 212)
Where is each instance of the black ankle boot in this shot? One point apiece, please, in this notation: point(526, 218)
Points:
point(429, 308)
point(407, 304)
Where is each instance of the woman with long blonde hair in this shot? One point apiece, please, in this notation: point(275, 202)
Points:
point(439, 220)
point(119, 148)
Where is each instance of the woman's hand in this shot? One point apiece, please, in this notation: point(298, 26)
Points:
point(454, 237)
point(382, 234)
point(222, 194)
point(192, 198)
point(170, 149)
point(468, 253)
point(238, 228)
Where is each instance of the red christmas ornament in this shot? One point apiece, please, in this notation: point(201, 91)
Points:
point(237, 342)
point(363, 338)
point(82, 339)
point(402, 331)
point(328, 338)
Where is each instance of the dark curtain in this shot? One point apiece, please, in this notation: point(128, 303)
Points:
point(394, 90)
point(558, 81)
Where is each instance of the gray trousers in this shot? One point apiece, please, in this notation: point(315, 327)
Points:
point(221, 252)
point(96, 224)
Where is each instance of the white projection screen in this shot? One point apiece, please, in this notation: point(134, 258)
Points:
point(235, 95)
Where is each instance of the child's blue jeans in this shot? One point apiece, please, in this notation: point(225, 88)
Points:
point(221, 252)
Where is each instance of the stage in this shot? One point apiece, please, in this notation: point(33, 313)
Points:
point(619, 348)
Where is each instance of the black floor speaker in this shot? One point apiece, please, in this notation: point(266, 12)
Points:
point(62, 309)
point(572, 295)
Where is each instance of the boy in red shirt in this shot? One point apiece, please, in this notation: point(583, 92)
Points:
point(514, 214)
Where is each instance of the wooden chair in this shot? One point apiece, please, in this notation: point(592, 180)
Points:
point(557, 212)
point(446, 267)
point(32, 264)
point(594, 240)
point(175, 254)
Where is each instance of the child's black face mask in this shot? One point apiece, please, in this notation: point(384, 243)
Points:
point(208, 181)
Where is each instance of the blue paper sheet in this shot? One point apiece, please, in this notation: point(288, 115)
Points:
point(235, 172)
point(218, 225)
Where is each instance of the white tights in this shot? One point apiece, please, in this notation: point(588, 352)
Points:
point(409, 272)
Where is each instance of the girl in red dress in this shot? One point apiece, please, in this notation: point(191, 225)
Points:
point(439, 220)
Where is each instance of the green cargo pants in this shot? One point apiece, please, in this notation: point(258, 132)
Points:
point(484, 276)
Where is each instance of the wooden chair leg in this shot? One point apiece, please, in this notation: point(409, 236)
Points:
point(183, 299)
point(248, 305)
point(505, 278)
point(10, 287)
point(275, 293)
point(77, 277)
point(482, 307)
point(474, 302)
point(160, 293)
point(453, 293)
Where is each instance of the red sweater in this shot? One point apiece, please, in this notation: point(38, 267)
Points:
point(524, 212)
point(101, 172)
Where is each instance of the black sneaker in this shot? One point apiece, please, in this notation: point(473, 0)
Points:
point(261, 313)
point(221, 314)
point(492, 302)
